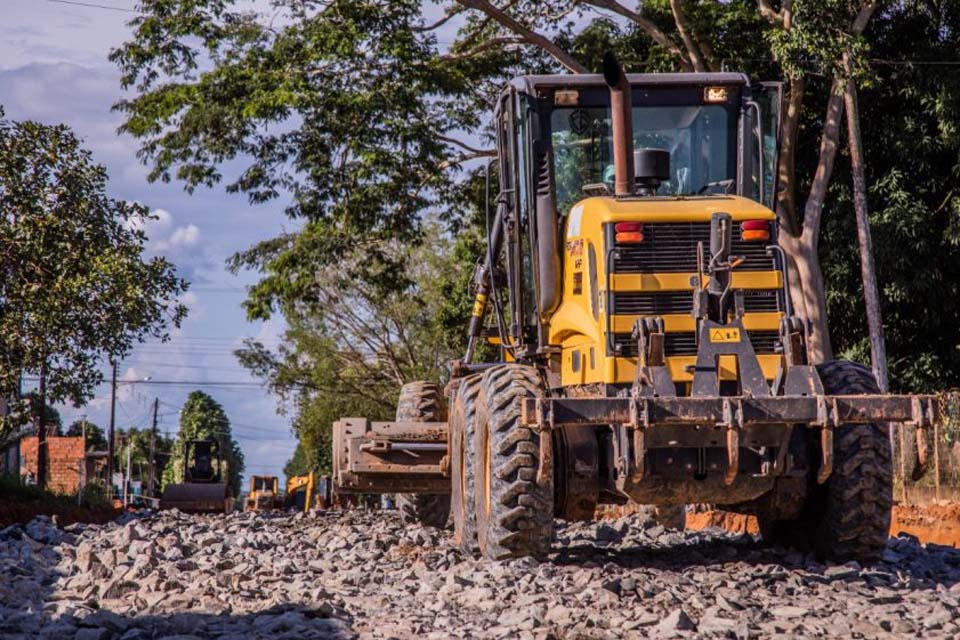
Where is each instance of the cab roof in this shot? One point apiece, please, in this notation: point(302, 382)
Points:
point(530, 84)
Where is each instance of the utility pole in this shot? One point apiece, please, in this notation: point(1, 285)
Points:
point(153, 450)
point(113, 419)
point(42, 430)
point(126, 475)
point(82, 465)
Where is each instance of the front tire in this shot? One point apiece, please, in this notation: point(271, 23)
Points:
point(847, 517)
point(463, 421)
point(422, 402)
point(514, 514)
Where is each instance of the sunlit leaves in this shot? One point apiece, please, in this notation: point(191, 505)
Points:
point(75, 287)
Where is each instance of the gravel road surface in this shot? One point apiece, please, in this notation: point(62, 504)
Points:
point(363, 574)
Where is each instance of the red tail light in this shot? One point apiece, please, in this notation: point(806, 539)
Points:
point(755, 230)
point(628, 232)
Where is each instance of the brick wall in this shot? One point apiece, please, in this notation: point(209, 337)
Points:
point(64, 457)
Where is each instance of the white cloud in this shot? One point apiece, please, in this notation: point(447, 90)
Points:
point(189, 298)
point(56, 71)
point(186, 236)
point(160, 238)
point(160, 219)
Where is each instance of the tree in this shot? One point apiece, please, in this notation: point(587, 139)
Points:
point(138, 442)
point(297, 465)
point(75, 289)
point(830, 35)
point(203, 418)
point(347, 137)
point(349, 350)
point(300, 102)
point(910, 110)
point(51, 417)
point(96, 441)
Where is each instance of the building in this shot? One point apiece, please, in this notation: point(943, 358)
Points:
point(69, 466)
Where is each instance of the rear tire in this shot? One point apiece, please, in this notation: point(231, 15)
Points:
point(422, 402)
point(847, 517)
point(514, 514)
point(463, 420)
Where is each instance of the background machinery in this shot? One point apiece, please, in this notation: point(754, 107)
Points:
point(204, 488)
point(300, 491)
point(264, 494)
point(648, 347)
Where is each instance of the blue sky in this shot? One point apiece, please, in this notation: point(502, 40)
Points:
point(54, 68)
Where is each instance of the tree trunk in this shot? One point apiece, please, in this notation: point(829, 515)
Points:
point(871, 293)
point(805, 251)
point(534, 38)
point(786, 198)
point(819, 348)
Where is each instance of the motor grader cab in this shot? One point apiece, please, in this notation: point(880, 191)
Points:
point(204, 488)
point(648, 347)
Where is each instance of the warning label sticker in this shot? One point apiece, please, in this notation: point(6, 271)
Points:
point(724, 335)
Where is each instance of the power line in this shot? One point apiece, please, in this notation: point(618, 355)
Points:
point(202, 383)
point(945, 63)
point(151, 365)
point(93, 5)
point(218, 339)
point(191, 383)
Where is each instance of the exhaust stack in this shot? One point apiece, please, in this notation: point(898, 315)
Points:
point(621, 118)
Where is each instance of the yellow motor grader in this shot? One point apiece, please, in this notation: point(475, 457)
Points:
point(648, 348)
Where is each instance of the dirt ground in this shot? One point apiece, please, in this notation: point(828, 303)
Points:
point(732, 522)
point(936, 523)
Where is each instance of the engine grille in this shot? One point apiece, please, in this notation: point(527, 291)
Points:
point(684, 343)
point(658, 303)
point(672, 248)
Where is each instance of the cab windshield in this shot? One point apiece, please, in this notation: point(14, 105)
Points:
point(699, 137)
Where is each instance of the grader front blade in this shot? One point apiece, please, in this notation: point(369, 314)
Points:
point(389, 457)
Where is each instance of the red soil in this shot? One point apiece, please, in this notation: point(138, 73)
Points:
point(936, 523)
point(733, 522)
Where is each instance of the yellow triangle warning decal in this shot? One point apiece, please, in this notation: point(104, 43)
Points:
point(725, 335)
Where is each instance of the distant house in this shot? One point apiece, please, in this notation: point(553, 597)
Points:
point(69, 467)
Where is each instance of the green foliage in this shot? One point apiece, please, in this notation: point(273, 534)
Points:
point(138, 443)
point(349, 350)
point(203, 418)
point(15, 493)
point(341, 105)
point(347, 107)
point(912, 148)
point(94, 496)
point(298, 465)
point(75, 289)
point(96, 441)
point(819, 38)
point(51, 417)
